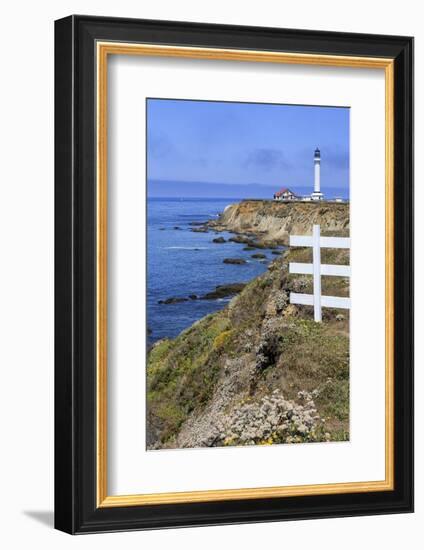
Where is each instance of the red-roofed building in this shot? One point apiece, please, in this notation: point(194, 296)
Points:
point(285, 194)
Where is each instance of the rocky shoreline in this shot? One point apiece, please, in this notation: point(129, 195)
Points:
point(267, 224)
point(252, 240)
point(221, 291)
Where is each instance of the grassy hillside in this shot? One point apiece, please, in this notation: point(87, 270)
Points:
point(260, 371)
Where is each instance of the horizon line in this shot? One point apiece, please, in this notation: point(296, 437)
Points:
point(235, 183)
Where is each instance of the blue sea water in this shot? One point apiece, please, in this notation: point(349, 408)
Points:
point(182, 262)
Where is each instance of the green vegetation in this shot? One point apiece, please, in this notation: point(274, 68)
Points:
point(315, 358)
point(181, 374)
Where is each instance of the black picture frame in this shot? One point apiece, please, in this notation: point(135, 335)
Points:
point(76, 510)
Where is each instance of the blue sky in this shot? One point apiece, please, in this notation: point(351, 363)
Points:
point(246, 143)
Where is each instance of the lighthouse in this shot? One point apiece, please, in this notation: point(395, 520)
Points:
point(317, 195)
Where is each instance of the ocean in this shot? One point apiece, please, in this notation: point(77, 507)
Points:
point(181, 262)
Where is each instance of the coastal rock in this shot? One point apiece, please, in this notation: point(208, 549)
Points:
point(219, 240)
point(200, 229)
point(276, 252)
point(177, 228)
point(264, 245)
point(224, 290)
point(258, 256)
point(193, 296)
point(173, 300)
point(252, 243)
point(240, 239)
point(235, 261)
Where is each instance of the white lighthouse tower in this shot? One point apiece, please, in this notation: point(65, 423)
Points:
point(317, 195)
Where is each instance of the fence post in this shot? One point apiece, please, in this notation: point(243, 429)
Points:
point(316, 261)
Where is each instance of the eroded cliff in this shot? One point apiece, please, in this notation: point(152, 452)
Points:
point(275, 221)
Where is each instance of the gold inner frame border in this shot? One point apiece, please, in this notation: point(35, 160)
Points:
point(103, 50)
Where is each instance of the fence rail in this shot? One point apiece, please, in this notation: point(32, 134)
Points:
point(326, 269)
point(325, 242)
point(326, 301)
point(317, 269)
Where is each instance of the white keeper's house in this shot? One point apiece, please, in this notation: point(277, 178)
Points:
point(285, 194)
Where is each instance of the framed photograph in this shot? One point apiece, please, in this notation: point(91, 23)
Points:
point(234, 274)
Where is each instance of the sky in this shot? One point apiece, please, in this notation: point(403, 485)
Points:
point(259, 145)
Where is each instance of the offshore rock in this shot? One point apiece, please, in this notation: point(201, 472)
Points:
point(235, 261)
point(173, 300)
point(224, 290)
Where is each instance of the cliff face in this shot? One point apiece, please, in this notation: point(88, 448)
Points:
point(272, 220)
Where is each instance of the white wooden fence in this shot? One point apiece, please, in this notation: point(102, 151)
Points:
point(317, 269)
